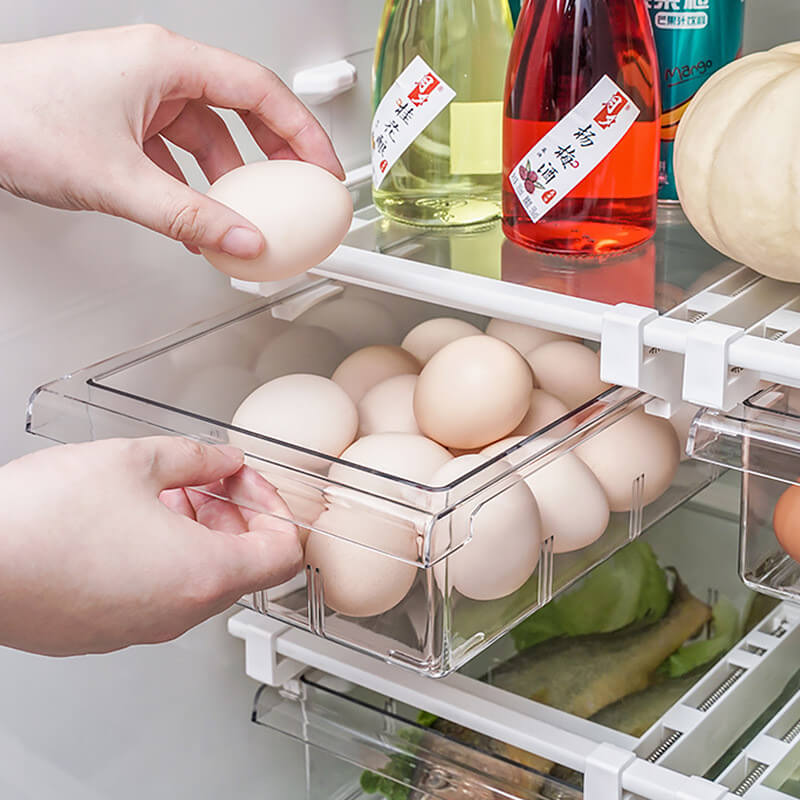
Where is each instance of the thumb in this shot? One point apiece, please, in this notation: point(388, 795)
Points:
point(267, 555)
point(162, 203)
point(174, 462)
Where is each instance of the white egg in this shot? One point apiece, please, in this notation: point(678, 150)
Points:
point(572, 503)
point(304, 410)
point(404, 455)
point(388, 407)
point(474, 391)
point(358, 581)
point(506, 535)
point(216, 391)
point(365, 368)
point(429, 337)
point(523, 338)
point(567, 370)
point(635, 459)
point(544, 409)
point(274, 196)
point(301, 348)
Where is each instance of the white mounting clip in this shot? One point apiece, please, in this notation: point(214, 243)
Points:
point(625, 360)
point(708, 379)
point(602, 776)
point(320, 84)
point(262, 661)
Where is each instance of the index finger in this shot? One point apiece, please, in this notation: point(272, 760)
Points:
point(224, 79)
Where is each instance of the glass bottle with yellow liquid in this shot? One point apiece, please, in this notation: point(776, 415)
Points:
point(450, 169)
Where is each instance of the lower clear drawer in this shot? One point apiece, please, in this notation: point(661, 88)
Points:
point(420, 573)
point(361, 744)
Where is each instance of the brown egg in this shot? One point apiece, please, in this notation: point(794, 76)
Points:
point(474, 391)
point(544, 409)
point(635, 459)
point(786, 521)
point(367, 367)
point(568, 371)
point(524, 338)
point(429, 337)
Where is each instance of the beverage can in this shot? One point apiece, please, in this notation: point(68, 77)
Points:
point(694, 38)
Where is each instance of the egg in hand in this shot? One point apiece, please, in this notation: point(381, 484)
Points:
point(274, 197)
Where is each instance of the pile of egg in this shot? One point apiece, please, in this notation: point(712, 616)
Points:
point(433, 411)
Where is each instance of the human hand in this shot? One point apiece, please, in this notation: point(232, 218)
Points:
point(86, 115)
point(101, 547)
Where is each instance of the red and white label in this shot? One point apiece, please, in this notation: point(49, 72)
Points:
point(572, 148)
point(413, 101)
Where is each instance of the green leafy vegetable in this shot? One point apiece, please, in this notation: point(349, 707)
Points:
point(628, 588)
point(397, 776)
point(426, 719)
point(726, 625)
point(393, 783)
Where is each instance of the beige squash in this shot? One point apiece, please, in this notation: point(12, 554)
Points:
point(737, 164)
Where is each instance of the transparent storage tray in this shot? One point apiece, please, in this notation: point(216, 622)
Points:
point(191, 382)
point(760, 438)
point(360, 744)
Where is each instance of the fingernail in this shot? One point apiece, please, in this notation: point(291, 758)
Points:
point(242, 242)
point(231, 452)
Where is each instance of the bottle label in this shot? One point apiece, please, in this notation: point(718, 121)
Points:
point(476, 145)
point(572, 148)
point(413, 101)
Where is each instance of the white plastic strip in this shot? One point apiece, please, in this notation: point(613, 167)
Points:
point(571, 315)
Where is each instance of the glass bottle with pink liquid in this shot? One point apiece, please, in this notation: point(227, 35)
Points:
point(581, 127)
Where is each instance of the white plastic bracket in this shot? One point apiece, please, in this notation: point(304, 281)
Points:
point(251, 287)
point(602, 778)
point(262, 661)
point(708, 379)
point(626, 360)
point(293, 306)
point(321, 84)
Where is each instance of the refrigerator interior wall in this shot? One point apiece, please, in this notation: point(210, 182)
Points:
point(289, 38)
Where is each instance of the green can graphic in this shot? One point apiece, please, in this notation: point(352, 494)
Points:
point(694, 38)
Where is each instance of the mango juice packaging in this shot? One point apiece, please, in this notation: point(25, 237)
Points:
point(694, 38)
